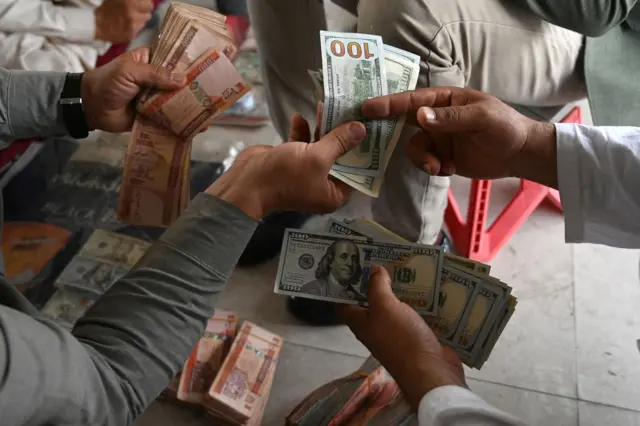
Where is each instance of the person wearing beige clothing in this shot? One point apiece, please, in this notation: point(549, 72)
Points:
point(526, 52)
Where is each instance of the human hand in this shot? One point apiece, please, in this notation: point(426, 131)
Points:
point(292, 176)
point(119, 21)
point(472, 134)
point(403, 343)
point(107, 91)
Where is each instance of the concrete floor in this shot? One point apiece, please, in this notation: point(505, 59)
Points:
point(569, 356)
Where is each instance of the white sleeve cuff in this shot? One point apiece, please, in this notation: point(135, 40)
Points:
point(80, 24)
point(568, 147)
point(455, 405)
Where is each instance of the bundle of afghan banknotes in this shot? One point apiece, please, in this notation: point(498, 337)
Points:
point(368, 396)
point(196, 42)
point(357, 67)
point(466, 308)
point(229, 374)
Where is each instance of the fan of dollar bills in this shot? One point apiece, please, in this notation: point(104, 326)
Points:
point(196, 42)
point(357, 67)
point(466, 307)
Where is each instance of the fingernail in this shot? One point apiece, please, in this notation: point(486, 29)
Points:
point(428, 113)
point(178, 77)
point(357, 131)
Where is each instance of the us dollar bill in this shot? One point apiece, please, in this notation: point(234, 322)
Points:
point(353, 70)
point(324, 266)
point(402, 70)
point(374, 230)
point(66, 307)
point(89, 275)
point(103, 259)
point(415, 282)
point(336, 267)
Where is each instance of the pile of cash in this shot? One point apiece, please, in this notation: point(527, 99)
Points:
point(357, 67)
point(368, 396)
point(466, 308)
point(102, 260)
point(230, 381)
point(196, 42)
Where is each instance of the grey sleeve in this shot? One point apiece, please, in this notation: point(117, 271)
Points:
point(591, 18)
point(29, 105)
point(134, 339)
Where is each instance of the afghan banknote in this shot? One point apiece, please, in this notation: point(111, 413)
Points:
point(205, 360)
point(353, 70)
point(190, 45)
point(213, 85)
point(244, 378)
point(402, 71)
point(153, 176)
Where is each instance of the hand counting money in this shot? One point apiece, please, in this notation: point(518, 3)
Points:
point(356, 67)
point(196, 42)
point(466, 308)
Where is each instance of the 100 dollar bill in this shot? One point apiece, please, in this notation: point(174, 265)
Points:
point(336, 268)
point(353, 70)
point(402, 70)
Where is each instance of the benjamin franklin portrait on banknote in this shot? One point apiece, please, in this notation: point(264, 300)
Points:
point(337, 273)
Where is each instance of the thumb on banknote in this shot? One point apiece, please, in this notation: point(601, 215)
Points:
point(156, 76)
point(379, 295)
point(340, 140)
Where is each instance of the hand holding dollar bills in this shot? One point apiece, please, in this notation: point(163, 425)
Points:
point(466, 308)
point(357, 67)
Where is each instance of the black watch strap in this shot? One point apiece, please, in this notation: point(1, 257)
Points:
point(72, 108)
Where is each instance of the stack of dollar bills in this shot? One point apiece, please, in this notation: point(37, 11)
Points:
point(465, 307)
point(103, 259)
point(357, 67)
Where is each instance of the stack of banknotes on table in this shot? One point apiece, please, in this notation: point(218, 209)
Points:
point(196, 42)
point(357, 67)
point(466, 308)
point(229, 375)
point(368, 396)
point(102, 260)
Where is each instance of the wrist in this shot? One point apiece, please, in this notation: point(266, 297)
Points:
point(87, 96)
point(245, 199)
point(422, 377)
point(537, 160)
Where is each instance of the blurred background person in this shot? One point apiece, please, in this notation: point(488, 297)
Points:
point(45, 35)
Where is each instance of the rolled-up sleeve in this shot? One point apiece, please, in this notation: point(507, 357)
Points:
point(598, 175)
point(134, 339)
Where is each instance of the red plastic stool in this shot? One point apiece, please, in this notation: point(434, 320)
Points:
point(471, 238)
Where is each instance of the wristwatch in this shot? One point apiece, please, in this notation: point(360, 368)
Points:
point(72, 108)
